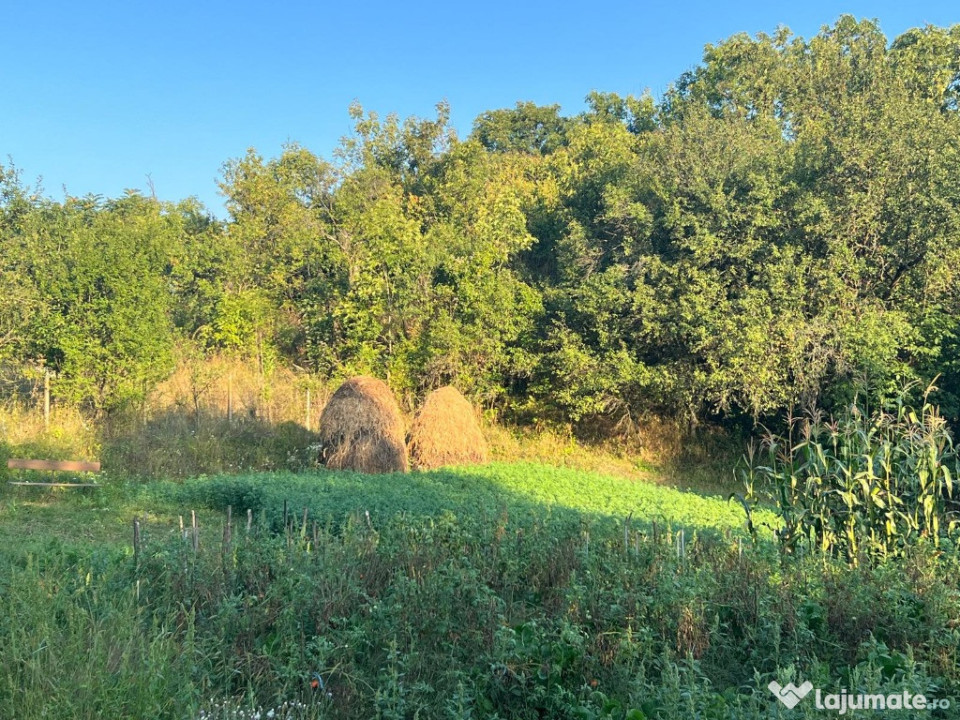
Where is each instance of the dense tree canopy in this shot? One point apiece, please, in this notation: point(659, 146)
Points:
point(782, 226)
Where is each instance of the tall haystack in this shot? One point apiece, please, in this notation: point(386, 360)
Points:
point(361, 429)
point(446, 432)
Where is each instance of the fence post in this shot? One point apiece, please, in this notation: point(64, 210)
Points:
point(230, 398)
point(136, 541)
point(196, 531)
point(46, 399)
point(308, 409)
point(626, 533)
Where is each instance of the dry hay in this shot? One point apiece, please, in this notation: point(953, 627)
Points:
point(446, 432)
point(361, 429)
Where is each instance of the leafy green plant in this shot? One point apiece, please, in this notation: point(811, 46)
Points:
point(862, 483)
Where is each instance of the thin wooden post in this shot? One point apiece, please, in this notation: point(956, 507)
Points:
point(195, 530)
point(249, 519)
point(227, 530)
point(136, 541)
point(230, 398)
point(626, 533)
point(46, 400)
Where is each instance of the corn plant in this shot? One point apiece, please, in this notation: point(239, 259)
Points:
point(861, 484)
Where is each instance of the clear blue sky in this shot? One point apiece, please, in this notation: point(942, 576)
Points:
point(97, 96)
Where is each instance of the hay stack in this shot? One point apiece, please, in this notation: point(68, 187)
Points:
point(361, 429)
point(446, 432)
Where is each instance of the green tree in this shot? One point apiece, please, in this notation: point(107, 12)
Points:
point(103, 319)
point(527, 128)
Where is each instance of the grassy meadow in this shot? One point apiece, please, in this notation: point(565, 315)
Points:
point(513, 590)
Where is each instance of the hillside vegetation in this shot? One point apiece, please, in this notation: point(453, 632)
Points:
point(781, 226)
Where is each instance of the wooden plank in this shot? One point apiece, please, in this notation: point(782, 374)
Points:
point(66, 485)
point(63, 465)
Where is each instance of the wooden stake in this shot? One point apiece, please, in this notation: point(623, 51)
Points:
point(626, 533)
point(195, 529)
point(136, 541)
point(230, 399)
point(46, 400)
point(308, 410)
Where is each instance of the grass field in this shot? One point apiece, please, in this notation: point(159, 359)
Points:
point(516, 590)
point(103, 516)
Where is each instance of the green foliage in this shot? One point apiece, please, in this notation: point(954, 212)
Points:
point(863, 484)
point(102, 320)
point(524, 489)
point(782, 223)
point(528, 128)
point(469, 612)
point(784, 226)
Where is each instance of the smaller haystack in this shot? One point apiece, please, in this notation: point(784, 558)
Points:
point(361, 429)
point(446, 432)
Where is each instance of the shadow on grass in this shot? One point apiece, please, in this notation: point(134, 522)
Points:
point(525, 493)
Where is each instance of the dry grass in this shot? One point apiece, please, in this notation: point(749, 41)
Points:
point(227, 387)
point(550, 447)
point(185, 429)
point(70, 435)
point(656, 452)
point(446, 432)
point(212, 415)
point(362, 429)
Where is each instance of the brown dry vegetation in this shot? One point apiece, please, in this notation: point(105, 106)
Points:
point(446, 432)
point(362, 429)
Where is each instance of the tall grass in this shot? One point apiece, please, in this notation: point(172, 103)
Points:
point(76, 644)
point(438, 618)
